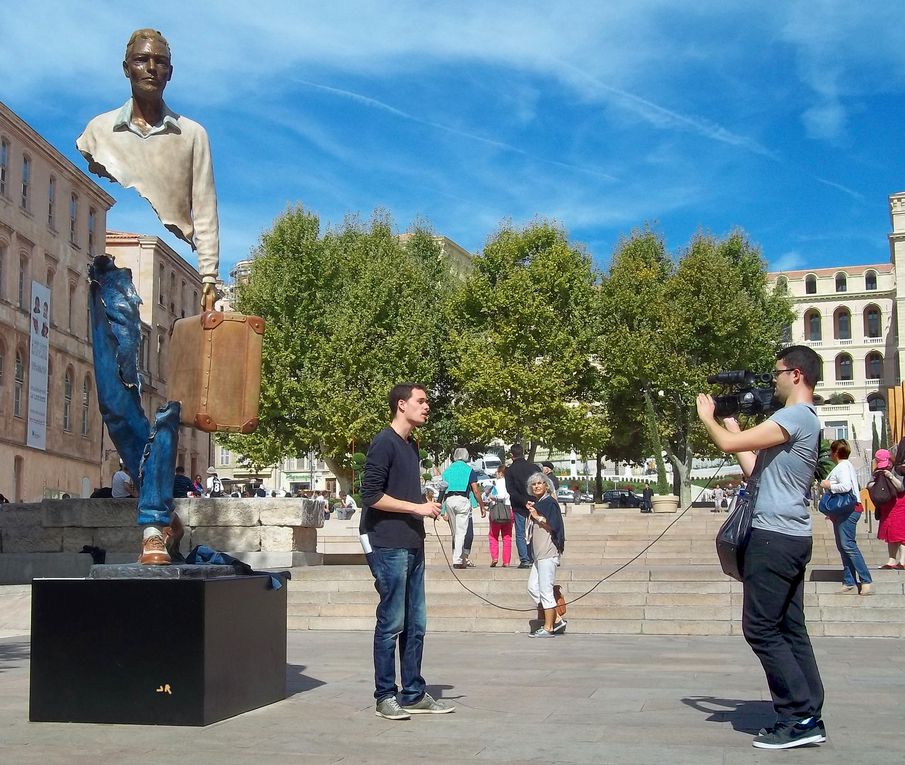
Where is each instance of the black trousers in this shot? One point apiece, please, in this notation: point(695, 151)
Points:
point(773, 621)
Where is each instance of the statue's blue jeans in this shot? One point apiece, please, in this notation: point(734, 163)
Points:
point(148, 451)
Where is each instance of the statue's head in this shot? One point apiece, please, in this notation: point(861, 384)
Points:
point(147, 63)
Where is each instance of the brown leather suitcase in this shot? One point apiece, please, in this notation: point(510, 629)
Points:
point(214, 370)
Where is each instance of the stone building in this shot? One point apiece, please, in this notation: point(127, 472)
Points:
point(52, 222)
point(851, 316)
point(170, 289)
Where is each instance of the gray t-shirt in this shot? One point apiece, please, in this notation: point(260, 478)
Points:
point(787, 473)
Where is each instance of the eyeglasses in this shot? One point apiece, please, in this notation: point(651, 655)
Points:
point(777, 372)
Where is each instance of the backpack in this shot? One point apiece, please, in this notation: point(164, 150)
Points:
point(216, 488)
point(880, 490)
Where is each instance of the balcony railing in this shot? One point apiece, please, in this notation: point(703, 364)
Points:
point(836, 409)
point(814, 343)
point(845, 383)
point(873, 340)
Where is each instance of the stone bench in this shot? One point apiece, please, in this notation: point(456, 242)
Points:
point(46, 538)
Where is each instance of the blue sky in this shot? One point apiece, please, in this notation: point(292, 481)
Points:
point(781, 118)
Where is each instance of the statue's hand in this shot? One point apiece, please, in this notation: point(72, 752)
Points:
point(209, 296)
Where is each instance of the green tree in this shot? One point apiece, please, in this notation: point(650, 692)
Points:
point(668, 325)
point(520, 340)
point(348, 314)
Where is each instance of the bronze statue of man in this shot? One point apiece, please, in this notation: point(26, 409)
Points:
point(164, 156)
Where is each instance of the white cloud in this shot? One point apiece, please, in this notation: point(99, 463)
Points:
point(788, 261)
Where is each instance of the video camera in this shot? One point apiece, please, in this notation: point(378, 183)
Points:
point(752, 393)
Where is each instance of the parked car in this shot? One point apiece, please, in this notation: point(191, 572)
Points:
point(564, 494)
point(586, 498)
point(621, 498)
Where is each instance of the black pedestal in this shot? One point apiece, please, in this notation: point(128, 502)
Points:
point(155, 651)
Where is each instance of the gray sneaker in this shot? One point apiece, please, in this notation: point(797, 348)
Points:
point(389, 709)
point(560, 627)
point(540, 632)
point(428, 706)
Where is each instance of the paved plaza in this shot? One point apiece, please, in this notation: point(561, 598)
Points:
point(594, 699)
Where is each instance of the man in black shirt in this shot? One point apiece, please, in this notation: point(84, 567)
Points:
point(392, 536)
point(517, 475)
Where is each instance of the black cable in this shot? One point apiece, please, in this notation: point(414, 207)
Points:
point(599, 581)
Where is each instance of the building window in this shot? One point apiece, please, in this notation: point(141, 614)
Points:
point(874, 365)
point(74, 220)
point(844, 367)
point(841, 282)
point(19, 385)
point(872, 321)
point(876, 403)
point(224, 456)
point(782, 286)
point(812, 330)
point(172, 292)
point(836, 430)
point(23, 277)
point(86, 393)
point(52, 203)
point(2, 361)
point(870, 280)
point(92, 222)
point(26, 182)
point(843, 324)
point(2, 269)
point(67, 401)
point(160, 285)
point(71, 306)
point(810, 284)
point(4, 167)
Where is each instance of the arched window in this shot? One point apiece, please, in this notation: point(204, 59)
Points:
point(74, 219)
point(847, 398)
point(810, 284)
point(86, 395)
point(876, 402)
point(52, 203)
point(844, 367)
point(818, 400)
point(872, 321)
point(841, 282)
point(782, 286)
point(870, 280)
point(25, 202)
point(873, 365)
point(172, 292)
point(812, 329)
point(67, 401)
point(842, 324)
point(2, 363)
point(2, 269)
point(19, 385)
point(23, 278)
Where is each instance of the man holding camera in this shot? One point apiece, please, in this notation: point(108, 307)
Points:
point(780, 545)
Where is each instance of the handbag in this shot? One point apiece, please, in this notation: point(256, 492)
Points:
point(837, 504)
point(499, 513)
point(733, 536)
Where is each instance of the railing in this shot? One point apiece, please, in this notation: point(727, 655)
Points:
point(836, 409)
point(873, 340)
point(814, 343)
point(872, 382)
point(848, 341)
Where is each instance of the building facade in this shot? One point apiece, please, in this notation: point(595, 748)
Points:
point(851, 316)
point(52, 222)
point(170, 289)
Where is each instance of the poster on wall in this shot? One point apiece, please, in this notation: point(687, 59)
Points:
point(39, 348)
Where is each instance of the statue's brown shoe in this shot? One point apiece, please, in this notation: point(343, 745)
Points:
point(172, 535)
point(154, 552)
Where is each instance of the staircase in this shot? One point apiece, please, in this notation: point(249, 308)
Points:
point(675, 588)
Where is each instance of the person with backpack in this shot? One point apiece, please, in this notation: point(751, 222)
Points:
point(214, 484)
point(842, 479)
point(887, 492)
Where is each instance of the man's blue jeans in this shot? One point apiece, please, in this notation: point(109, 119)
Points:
point(854, 569)
point(521, 544)
point(399, 579)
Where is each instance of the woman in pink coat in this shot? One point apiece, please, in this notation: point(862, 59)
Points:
point(892, 515)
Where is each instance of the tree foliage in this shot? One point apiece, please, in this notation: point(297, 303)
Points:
point(668, 325)
point(349, 314)
point(520, 339)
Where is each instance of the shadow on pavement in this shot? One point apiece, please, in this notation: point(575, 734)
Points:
point(298, 682)
point(744, 716)
point(13, 654)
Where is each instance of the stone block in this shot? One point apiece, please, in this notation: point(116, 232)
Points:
point(120, 539)
point(31, 539)
point(224, 512)
point(15, 516)
point(228, 538)
point(304, 539)
point(75, 538)
point(289, 512)
point(61, 512)
point(109, 513)
point(276, 538)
